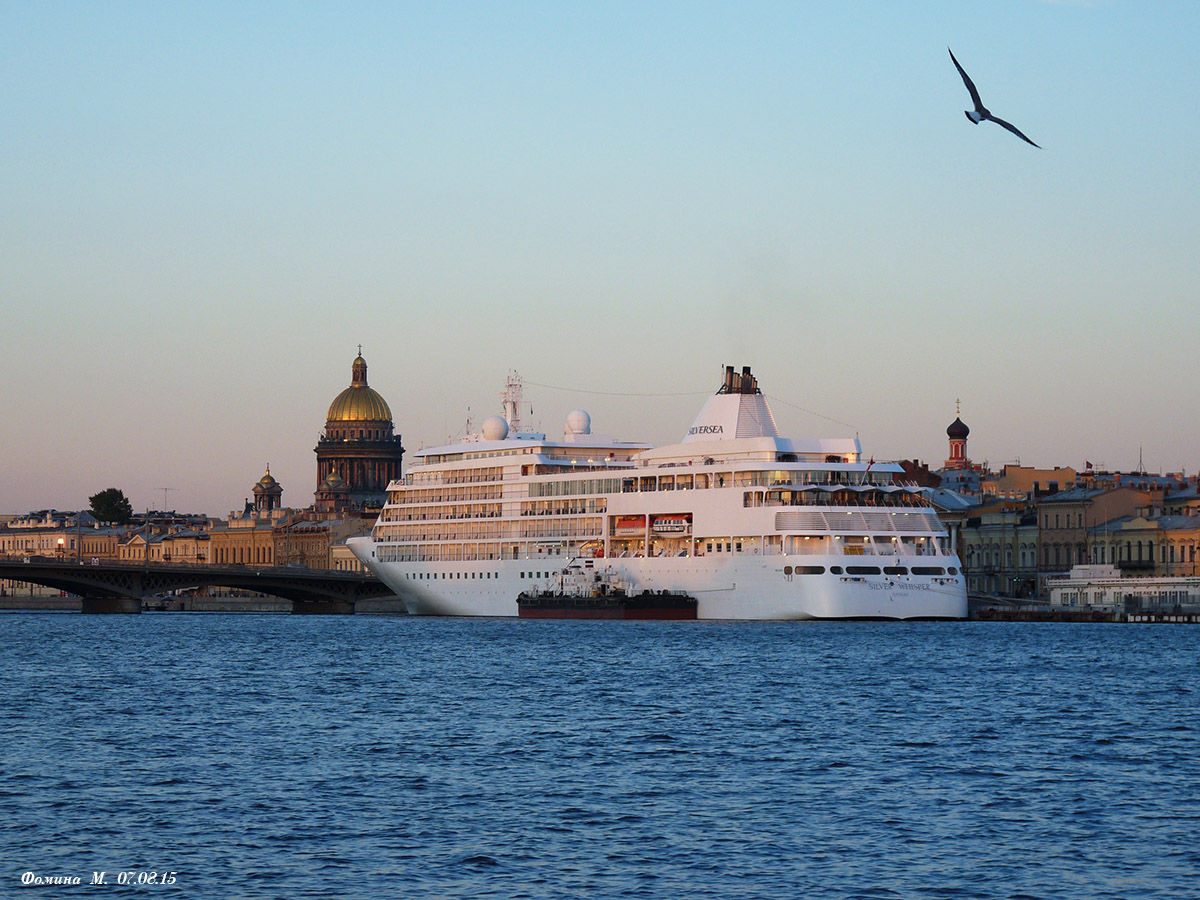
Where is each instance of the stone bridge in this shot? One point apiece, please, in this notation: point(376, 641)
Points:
point(120, 587)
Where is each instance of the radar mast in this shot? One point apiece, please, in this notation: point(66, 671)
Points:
point(512, 397)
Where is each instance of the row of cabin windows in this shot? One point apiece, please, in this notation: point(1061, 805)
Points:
point(434, 576)
point(752, 478)
point(868, 570)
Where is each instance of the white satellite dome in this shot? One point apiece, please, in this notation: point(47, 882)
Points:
point(579, 422)
point(495, 428)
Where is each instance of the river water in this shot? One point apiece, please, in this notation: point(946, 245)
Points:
point(274, 756)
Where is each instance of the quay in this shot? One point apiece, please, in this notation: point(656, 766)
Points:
point(113, 587)
point(983, 607)
point(1061, 614)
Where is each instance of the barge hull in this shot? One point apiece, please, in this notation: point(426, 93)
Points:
point(642, 607)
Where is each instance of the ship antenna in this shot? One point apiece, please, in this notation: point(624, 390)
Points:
point(511, 398)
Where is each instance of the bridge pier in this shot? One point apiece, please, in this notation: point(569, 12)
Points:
point(111, 605)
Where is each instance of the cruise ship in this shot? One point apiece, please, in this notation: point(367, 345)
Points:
point(750, 524)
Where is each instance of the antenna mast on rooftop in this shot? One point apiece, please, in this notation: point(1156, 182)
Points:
point(165, 489)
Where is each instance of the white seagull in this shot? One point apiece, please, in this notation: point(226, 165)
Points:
point(980, 112)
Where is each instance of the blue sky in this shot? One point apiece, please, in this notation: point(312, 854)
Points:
point(207, 207)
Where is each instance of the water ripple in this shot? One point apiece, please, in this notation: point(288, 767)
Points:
point(360, 757)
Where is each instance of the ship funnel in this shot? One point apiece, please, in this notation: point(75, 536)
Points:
point(738, 410)
point(745, 383)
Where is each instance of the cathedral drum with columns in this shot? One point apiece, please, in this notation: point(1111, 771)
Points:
point(358, 454)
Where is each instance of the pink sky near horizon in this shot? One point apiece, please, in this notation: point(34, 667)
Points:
point(207, 209)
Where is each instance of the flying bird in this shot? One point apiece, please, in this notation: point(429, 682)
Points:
point(980, 112)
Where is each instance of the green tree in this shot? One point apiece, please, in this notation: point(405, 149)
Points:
point(111, 505)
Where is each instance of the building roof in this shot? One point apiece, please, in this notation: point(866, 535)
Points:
point(1161, 523)
point(947, 499)
point(309, 525)
point(1191, 492)
point(1076, 494)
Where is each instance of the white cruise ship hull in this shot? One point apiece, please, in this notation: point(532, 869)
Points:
point(751, 589)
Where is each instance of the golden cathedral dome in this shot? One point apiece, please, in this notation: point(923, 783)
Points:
point(359, 403)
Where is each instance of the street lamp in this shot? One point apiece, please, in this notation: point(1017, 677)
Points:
point(60, 548)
